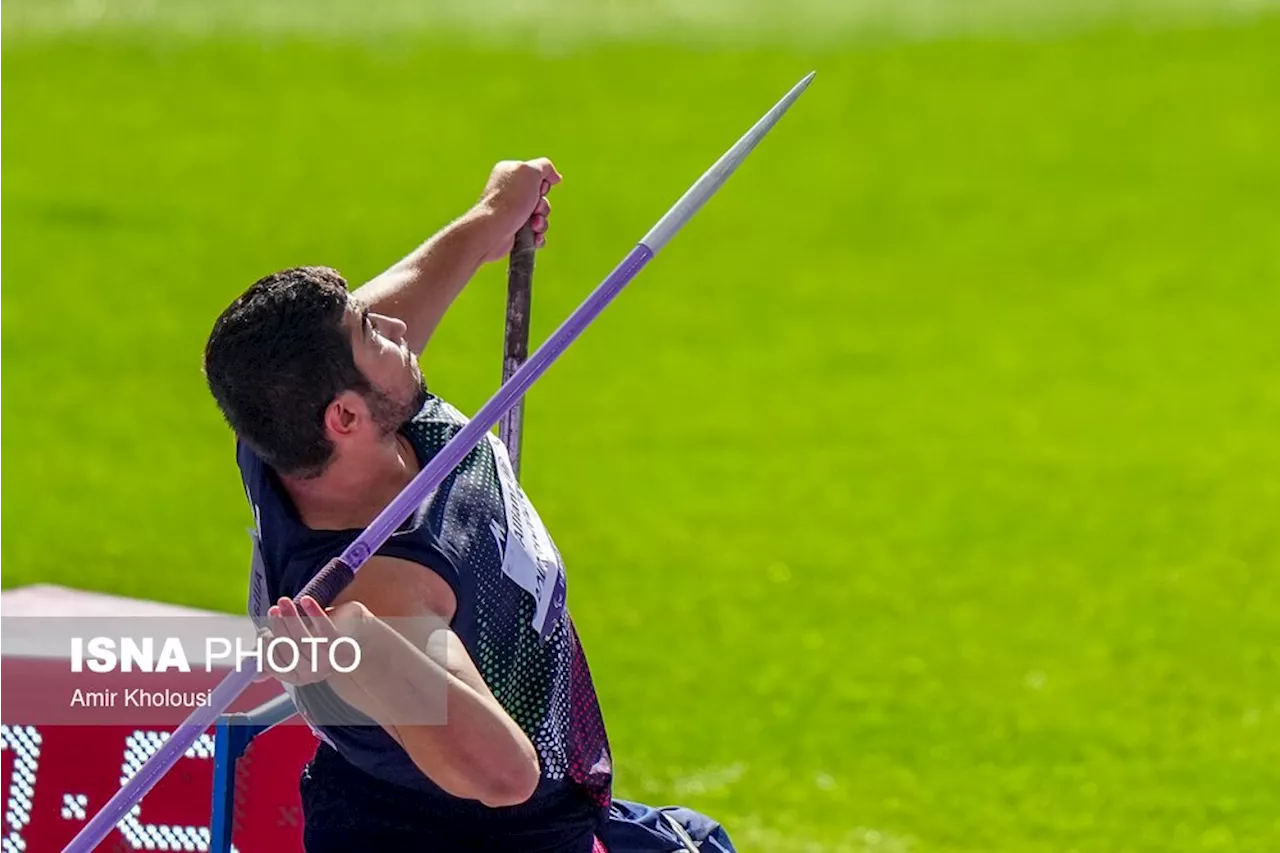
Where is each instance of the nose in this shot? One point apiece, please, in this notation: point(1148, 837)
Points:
point(393, 327)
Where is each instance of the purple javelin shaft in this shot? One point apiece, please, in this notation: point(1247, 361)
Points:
point(339, 572)
point(435, 471)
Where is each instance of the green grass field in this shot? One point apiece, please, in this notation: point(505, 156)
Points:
point(924, 495)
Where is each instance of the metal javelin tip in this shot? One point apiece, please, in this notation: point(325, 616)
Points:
point(714, 178)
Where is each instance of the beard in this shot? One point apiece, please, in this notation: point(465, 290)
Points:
point(391, 414)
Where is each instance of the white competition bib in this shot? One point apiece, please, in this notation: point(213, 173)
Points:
point(529, 557)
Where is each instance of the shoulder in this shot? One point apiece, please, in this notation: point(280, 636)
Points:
point(399, 588)
point(282, 546)
point(272, 511)
point(250, 464)
point(257, 480)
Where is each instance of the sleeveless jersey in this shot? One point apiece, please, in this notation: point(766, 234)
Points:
point(481, 534)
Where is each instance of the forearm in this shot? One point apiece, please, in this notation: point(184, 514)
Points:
point(421, 287)
point(478, 751)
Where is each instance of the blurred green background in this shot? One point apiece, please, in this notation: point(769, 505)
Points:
point(921, 496)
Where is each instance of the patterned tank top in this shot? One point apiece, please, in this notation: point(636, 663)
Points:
point(482, 535)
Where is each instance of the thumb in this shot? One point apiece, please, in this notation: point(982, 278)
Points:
point(550, 175)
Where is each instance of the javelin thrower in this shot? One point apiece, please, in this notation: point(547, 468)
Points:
point(461, 608)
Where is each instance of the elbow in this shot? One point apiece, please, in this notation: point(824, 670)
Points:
point(511, 785)
point(495, 780)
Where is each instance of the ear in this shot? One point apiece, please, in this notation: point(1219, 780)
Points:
point(345, 416)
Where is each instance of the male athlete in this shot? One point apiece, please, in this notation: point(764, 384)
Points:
point(465, 601)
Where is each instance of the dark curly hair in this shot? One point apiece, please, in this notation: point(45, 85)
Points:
point(275, 360)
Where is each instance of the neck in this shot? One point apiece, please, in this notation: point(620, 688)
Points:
point(356, 486)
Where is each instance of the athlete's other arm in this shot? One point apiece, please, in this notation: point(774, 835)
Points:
point(420, 288)
point(479, 752)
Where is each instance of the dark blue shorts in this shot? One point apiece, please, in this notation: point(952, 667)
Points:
point(637, 828)
point(345, 809)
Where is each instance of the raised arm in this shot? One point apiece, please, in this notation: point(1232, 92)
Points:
point(420, 288)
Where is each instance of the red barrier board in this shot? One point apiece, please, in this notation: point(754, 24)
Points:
point(56, 777)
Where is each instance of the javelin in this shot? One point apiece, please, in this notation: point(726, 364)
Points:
point(339, 572)
point(515, 340)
